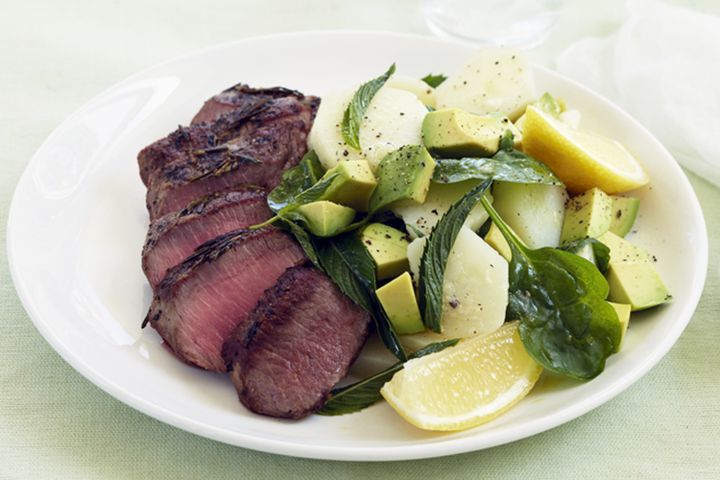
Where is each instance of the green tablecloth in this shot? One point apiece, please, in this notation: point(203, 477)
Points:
point(55, 424)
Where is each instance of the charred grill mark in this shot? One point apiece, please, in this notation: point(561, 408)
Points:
point(151, 317)
point(273, 92)
point(206, 253)
point(198, 207)
point(234, 160)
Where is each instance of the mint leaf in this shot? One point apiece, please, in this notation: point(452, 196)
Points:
point(355, 111)
point(436, 253)
point(295, 181)
point(434, 80)
point(312, 194)
point(292, 224)
point(565, 323)
point(359, 395)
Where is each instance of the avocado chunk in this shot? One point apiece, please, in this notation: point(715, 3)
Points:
point(326, 219)
point(388, 248)
point(403, 175)
point(637, 284)
point(354, 185)
point(456, 133)
point(623, 313)
point(623, 251)
point(632, 276)
point(496, 240)
point(398, 300)
point(587, 215)
point(624, 212)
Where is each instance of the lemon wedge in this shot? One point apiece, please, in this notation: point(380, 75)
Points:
point(581, 160)
point(466, 385)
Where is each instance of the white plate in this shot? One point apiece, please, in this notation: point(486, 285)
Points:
point(78, 220)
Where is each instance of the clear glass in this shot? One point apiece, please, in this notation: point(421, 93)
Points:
point(520, 23)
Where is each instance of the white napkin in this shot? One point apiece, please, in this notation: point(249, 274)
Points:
point(663, 66)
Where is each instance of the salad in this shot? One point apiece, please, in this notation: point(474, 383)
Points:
point(480, 226)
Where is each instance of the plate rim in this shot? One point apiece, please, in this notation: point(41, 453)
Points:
point(351, 453)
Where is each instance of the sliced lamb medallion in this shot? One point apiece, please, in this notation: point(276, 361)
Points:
point(223, 117)
point(298, 343)
point(239, 96)
point(268, 142)
point(173, 237)
point(204, 299)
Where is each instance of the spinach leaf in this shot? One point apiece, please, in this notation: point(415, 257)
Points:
point(295, 181)
point(434, 80)
point(347, 262)
point(507, 165)
point(600, 250)
point(565, 323)
point(355, 111)
point(362, 394)
point(435, 255)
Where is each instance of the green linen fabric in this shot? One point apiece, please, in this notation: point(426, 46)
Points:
point(54, 424)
